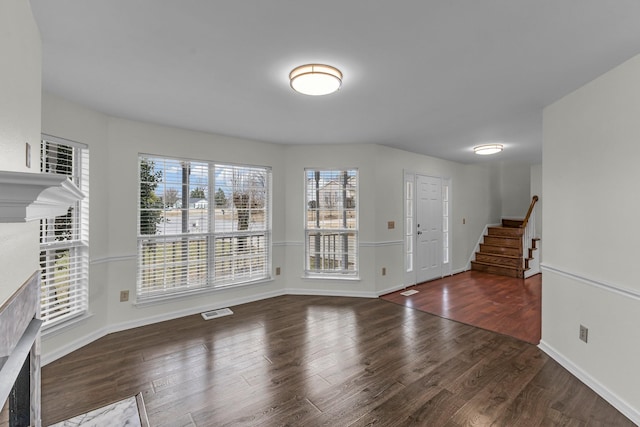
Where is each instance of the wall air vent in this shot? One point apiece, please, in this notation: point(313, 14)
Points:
point(216, 313)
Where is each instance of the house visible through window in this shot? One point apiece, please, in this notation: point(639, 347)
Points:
point(64, 240)
point(331, 222)
point(201, 225)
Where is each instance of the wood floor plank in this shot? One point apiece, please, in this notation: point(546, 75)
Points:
point(500, 304)
point(322, 361)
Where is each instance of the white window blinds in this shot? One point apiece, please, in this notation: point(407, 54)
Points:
point(201, 225)
point(331, 222)
point(64, 240)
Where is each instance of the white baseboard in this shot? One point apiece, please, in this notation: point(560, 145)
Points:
point(391, 289)
point(74, 345)
point(329, 293)
point(615, 401)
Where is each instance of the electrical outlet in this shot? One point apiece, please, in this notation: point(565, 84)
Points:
point(584, 333)
point(124, 296)
point(391, 225)
point(277, 271)
point(384, 271)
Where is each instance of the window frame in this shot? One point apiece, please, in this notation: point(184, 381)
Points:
point(211, 268)
point(77, 262)
point(352, 251)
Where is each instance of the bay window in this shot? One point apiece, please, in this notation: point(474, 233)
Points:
point(201, 225)
point(331, 223)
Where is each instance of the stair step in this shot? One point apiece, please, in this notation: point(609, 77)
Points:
point(497, 269)
point(512, 222)
point(491, 249)
point(505, 231)
point(497, 259)
point(511, 242)
point(534, 242)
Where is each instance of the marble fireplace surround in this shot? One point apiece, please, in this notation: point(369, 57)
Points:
point(19, 342)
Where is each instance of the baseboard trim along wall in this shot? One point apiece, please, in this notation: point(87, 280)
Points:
point(329, 293)
point(591, 288)
point(596, 386)
point(74, 345)
point(391, 289)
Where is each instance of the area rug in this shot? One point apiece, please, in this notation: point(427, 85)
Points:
point(128, 412)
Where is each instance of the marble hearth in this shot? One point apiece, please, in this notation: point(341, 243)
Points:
point(20, 357)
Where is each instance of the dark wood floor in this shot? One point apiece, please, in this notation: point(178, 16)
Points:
point(313, 361)
point(501, 304)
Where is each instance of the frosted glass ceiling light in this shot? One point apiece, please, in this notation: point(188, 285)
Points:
point(487, 149)
point(315, 79)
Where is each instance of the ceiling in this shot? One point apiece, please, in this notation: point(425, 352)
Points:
point(431, 77)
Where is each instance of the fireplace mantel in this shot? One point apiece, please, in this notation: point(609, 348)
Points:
point(31, 196)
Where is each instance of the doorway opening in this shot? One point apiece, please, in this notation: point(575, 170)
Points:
point(427, 245)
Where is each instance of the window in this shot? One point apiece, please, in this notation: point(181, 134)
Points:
point(64, 240)
point(445, 221)
point(201, 225)
point(409, 226)
point(331, 223)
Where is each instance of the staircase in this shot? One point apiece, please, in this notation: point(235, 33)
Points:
point(509, 249)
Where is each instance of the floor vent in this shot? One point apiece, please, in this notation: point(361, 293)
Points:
point(409, 292)
point(216, 313)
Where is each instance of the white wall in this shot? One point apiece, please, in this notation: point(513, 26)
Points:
point(515, 182)
point(126, 140)
point(114, 146)
point(19, 123)
point(381, 169)
point(68, 120)
point(362, 157)
point(536, 190)
point(475, 198)
point(590, 216)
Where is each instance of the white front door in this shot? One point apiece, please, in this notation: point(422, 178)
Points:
point(428, 228)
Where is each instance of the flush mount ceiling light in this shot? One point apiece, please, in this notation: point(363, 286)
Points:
point(315, 79)
point(485, 150)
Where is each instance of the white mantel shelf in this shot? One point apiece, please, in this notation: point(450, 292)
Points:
point(31, 196)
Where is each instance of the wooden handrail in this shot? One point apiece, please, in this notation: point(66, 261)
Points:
point(534, 199)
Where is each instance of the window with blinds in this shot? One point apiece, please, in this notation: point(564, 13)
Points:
point(331, 222)
point(64, 240)
point(201, 225)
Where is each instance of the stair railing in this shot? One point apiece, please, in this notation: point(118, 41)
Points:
point(529, 226)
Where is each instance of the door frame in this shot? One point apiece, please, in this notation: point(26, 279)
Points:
point(409, 186)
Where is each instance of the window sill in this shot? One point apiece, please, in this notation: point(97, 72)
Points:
point(163, 299)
